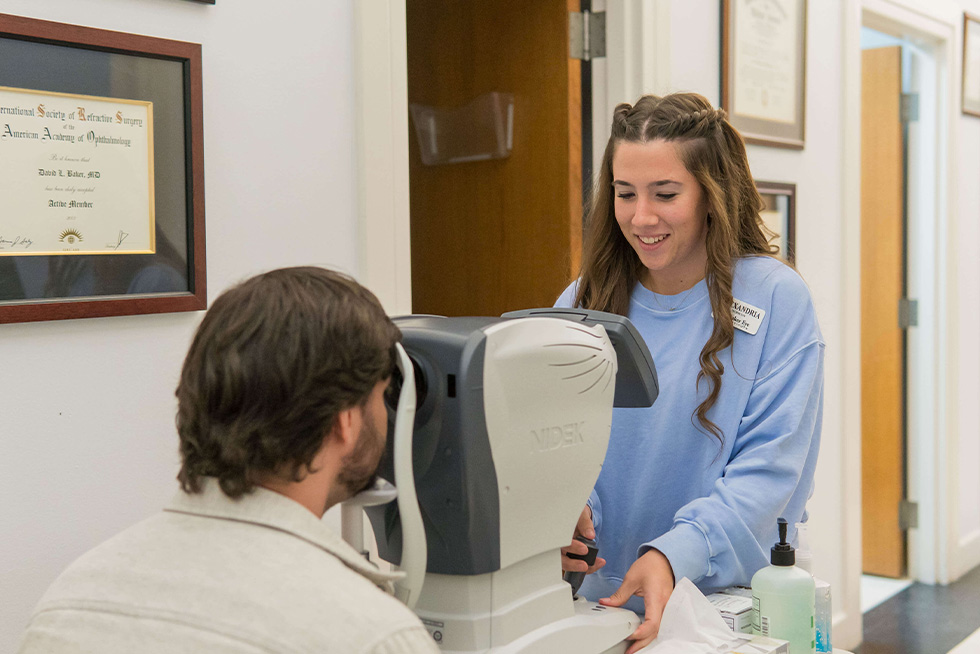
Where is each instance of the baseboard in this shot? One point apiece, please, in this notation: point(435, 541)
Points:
point(967, 555)
point(847, 631)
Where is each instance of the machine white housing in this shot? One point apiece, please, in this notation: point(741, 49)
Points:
point(511, 430)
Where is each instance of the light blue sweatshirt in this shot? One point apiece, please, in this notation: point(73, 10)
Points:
point(711, 507)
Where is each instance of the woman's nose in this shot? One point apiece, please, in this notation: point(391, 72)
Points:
point(646, 213)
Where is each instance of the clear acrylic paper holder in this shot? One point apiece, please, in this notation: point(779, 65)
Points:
point(480, 130)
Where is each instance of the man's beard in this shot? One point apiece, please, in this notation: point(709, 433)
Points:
point(359, 469)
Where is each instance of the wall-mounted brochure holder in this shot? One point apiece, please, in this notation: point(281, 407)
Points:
point(480, 130)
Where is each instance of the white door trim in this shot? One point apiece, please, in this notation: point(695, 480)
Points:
point(935, 23)
point(637, 61)
point(381, 156)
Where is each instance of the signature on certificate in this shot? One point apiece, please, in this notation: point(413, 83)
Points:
point(21, 241)
point(122, 237)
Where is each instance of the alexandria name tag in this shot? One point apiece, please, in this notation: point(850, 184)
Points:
point(746, 317)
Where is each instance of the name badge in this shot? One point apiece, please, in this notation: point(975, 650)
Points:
point(746, 317)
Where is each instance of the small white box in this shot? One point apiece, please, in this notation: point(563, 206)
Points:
point(741, 591)
point(761, 645)
point(735, 610)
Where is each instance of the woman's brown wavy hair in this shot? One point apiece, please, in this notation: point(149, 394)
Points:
point(714, 153)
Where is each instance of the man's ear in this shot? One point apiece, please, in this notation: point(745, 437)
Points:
point(346, 428)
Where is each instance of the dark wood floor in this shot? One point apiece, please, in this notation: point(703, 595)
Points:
point(924, 619)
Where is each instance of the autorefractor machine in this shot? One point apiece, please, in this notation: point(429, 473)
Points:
point(497, 431)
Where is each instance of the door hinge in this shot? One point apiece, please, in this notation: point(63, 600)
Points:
point(908, 313)
point(586, 35)
point(908, 515)
point(910, 107)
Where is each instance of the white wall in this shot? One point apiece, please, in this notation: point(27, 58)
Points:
point(967, 393)
point(87, 443)
point(967, 199)
point(967, 390)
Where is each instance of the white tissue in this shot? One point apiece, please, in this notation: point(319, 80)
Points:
point(691, 625)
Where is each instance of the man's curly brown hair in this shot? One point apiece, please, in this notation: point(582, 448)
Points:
point(272, 365)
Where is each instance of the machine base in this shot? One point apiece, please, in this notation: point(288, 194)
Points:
point(592, 629)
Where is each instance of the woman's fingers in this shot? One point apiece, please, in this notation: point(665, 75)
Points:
point(584, 525)
point(574, 565)
point(625, 591)
point(650, 626)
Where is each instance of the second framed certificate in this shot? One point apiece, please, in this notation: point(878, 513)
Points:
point(763, 86)
point(971, 65)
point(779, 216)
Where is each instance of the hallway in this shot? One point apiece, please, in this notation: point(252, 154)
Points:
point(924, 619)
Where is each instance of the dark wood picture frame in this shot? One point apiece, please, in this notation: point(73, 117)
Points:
point(756, 129)
point(970, 105)
point(184, 174)
point(772, 193)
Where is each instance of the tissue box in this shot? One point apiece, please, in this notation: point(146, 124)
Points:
point(736, 611)
point(761, 645)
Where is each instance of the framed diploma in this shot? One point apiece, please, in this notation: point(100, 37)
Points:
point(763, 80)
point(75, 164)
point(779, 215)
point(971, 65)
point(101, 173)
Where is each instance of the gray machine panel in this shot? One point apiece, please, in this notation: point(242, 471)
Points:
point(455, 479)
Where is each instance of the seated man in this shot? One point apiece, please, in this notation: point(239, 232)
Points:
point(280, 416)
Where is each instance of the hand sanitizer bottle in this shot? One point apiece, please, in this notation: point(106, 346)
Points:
point(782, 599)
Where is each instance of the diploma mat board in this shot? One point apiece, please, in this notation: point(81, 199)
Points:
point(736, 610)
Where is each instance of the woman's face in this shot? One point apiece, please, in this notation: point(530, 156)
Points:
point(663, 213)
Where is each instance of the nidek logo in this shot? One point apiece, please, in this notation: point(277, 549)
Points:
point(557, 437)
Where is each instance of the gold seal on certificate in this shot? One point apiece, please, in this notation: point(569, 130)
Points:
point(76, 174)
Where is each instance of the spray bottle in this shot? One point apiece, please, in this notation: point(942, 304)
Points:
point(783, 599)
point(822, 603)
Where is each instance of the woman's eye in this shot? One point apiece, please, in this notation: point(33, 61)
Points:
point(626, 195)
point(666, 196)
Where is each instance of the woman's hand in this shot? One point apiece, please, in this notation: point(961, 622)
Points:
point(651, 578)
point(582, 528)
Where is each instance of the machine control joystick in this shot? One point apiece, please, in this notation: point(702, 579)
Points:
point(575, 579)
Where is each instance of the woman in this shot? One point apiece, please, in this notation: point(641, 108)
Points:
point(692, 486)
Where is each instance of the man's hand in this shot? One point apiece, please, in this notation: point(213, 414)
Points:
point(582, 528)
point(651, 578)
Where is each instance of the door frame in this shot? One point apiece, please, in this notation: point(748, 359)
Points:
point(932, 470)
point(637, 61)
point(380, 47)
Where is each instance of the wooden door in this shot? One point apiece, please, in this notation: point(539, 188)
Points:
point(497, 235)
point(882, 343)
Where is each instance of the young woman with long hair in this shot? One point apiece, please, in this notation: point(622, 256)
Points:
point(692, 486)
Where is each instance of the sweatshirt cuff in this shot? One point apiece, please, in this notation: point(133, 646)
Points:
point(686, 548)
point(596, 506)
